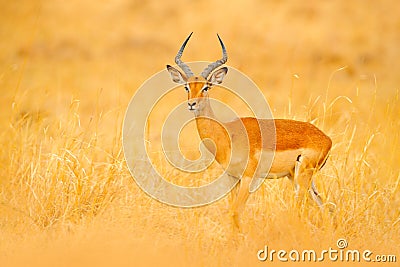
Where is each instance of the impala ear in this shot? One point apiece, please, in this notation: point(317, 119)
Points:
point(218, 76)
point(176, 75)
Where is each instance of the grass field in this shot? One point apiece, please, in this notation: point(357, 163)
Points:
point(68, 70)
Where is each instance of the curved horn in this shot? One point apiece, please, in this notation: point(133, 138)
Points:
point(178, 60)
point(217, 63)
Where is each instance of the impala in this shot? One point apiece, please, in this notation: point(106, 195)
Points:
point(299, 147)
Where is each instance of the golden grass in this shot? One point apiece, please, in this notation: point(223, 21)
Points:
point(67, 72)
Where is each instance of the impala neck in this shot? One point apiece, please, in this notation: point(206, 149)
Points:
point(209, 127)
point(206, 112)
point(206, 121)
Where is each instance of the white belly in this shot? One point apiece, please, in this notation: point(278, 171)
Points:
point(271, 166)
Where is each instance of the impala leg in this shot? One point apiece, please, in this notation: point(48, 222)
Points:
point(303, 182)
point(295, 175)
point(315, 195)
point(242, 196)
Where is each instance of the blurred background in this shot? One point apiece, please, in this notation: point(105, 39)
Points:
point(68, 70)
point(56, 51)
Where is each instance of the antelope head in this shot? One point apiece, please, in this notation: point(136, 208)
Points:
point(197, 87)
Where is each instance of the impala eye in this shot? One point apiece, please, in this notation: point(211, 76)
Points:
point(205, 89)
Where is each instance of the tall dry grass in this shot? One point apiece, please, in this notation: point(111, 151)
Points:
point(67, 72)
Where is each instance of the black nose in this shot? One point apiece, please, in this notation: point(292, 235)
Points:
point(192, 104)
